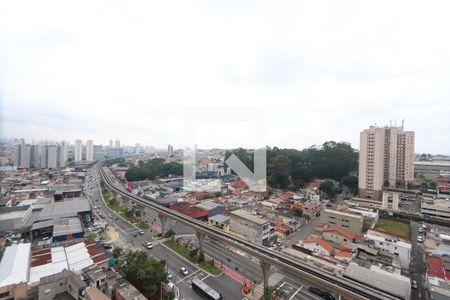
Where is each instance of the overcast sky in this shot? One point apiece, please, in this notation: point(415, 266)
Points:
point(322, 70)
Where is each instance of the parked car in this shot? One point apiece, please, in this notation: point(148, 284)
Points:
point(141, 232)
point(315, 291)
point(414, 284)
point(169, 275)
point(184, 271)
point(327, 296)
point(420, 239)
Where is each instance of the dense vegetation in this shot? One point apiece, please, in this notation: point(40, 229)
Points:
point(293, 169)
point(119, 161)
point(155, 168)
point(144, 272)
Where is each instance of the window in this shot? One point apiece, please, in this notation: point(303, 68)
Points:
point(5, 294)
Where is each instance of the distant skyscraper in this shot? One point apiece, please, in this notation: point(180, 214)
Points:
point(78, 150)
point(89, 150)
point(386, 159)
point(36, 156)
point(117, 144)
point(110, 143)
point(170, 151)
point(25, 155)
point(63, 153)
point(137, 148)
point(52, 156)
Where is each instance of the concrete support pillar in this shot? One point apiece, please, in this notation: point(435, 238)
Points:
point(201, 238)
point(141, 212)
point(162, 219)
point(265, 266)
point(395, 200)
point(385, 198)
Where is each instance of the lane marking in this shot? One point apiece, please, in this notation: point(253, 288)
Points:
point(187, 276)
point(296, 292)
point(205, 277)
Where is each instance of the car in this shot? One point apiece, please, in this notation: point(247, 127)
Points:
point(169, 275)
point(420, 239)
point(184, 271)
point(45, 238)
point(141, 232)
point(327, 296)
point(274, 247)
point(148, 245)
point(107, 247)
point(279, 243)
point(414, 284)
point(420, 230)
point(315, 291)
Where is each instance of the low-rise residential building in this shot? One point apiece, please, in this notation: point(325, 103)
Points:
point(318, 245)
point(125, 290)
point(390, 244)
point(251, 227)
point(340, 236)
point(220, 221)
point(349, 221)
point(59, 284)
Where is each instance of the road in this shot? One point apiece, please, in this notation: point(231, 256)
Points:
point(417, 265)
point(228, 285)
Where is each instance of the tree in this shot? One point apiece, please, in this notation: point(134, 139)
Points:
point(398, 184)
point(298, 212)
point(327, 187)
point(193, 252)
point(386, 183)
point(433, 185)
point(351, 182)
point(144, 272)
point(117, 251)
point(169, 233)
point(424, 186)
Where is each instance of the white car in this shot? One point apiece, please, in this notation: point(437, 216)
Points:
point(184, 271)
point(148, 245)
point(420, 239)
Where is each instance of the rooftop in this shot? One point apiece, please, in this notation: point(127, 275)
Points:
point(219, 218)
point(319, 242)
point(245, 214)
point(64, 209)
point(14, 264)
point(392, 283)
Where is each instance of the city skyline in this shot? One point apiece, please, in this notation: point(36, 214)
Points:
point(321, 74)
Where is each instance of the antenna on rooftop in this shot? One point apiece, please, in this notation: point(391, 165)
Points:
point(403, 123)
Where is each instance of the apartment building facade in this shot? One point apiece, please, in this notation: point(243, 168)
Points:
point(251, 227)
point(386, 159)
point(352, 223)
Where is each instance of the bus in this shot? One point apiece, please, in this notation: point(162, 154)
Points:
point(204, 290)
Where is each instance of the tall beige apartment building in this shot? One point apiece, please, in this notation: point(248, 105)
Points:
point(386, 159)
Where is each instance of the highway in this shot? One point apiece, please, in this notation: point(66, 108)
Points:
point(348, 288)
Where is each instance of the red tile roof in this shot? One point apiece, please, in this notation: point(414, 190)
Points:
point(320, 242)
point(436, 267)
point(341, 231)
point(344, 254)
